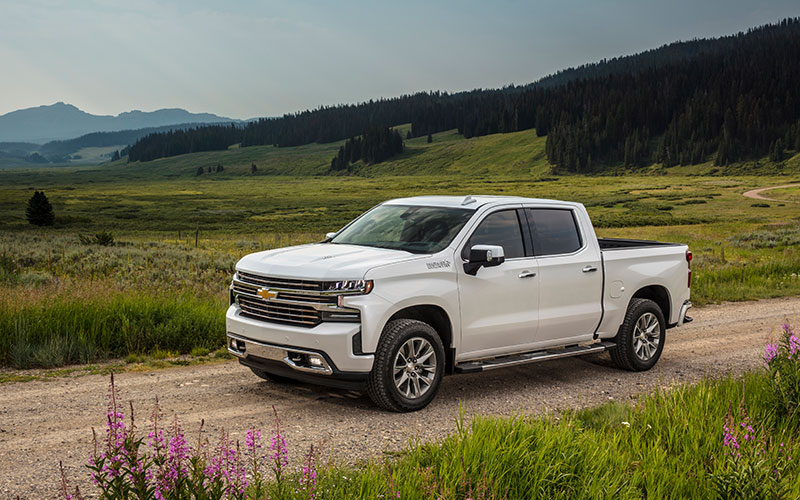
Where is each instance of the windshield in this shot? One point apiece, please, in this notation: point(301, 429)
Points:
point(401, 227)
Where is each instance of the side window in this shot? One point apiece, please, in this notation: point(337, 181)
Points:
point(554, 231)
point(500, 228)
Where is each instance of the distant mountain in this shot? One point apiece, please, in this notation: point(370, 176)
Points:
point(61, 121)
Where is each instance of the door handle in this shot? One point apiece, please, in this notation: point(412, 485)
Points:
point(589, 269)
point(527, 274)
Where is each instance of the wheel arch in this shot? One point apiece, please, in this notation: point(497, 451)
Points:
point(658, 294)
point(439, 320)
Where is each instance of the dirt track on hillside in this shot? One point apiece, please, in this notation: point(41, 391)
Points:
point(44, 422)
point(756, 193)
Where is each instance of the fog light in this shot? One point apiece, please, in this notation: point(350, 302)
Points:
point(315, 361)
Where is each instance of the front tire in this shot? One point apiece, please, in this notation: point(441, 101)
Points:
point(641, 337)
point(408, 367)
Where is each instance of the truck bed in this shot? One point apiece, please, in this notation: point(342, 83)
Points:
point(623, 243)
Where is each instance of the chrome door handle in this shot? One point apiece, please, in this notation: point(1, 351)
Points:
point(589, 269)
point(526, 274)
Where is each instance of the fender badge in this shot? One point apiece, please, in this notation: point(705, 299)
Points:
point(442, 264)
point(266, 293)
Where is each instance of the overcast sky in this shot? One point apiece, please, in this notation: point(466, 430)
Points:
point(263, 58)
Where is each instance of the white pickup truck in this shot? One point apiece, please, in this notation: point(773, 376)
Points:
point(417, 288)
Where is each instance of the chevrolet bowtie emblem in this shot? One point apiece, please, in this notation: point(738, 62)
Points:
point(266, 293)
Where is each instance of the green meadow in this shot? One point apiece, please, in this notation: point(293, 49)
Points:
point(162, 284)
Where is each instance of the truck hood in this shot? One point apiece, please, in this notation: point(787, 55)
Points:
point(320, 261)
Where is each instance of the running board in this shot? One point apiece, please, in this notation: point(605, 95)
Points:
point(531, 357)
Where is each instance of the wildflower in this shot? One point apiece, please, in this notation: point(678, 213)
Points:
point(253, 439)
point(770, 353)
point(794, 346)
point(280, 453)
point(626, 424)
point(308, 476)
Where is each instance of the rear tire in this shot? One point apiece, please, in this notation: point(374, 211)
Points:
point(641, 337)
point(408, 367)
point(278, 379)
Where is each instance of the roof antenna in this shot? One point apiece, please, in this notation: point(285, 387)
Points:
point(468, 199)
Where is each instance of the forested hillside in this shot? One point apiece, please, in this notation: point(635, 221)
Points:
point(375, 145)
point(725, 99)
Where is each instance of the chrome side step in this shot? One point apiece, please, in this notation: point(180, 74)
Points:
point(532, 357)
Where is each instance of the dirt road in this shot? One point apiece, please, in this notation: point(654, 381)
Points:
point(44, 422)
point(756, 193)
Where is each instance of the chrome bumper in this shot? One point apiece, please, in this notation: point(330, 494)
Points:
point(682, 318)
point(297, 359)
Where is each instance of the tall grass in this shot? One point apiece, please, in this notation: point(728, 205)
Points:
point(68, 330)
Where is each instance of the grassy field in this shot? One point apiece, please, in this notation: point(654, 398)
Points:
point(162, 285)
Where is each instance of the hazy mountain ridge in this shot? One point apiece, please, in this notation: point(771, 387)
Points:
point(62, 121)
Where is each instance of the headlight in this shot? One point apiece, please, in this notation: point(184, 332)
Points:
point(350, 287)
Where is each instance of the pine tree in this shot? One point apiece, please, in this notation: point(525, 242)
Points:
point(39, 211)
point(199, 172)
point(253, 168)
point(430, 138)
point(220, 168)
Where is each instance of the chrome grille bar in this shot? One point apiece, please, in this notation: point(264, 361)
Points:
point(298, 302)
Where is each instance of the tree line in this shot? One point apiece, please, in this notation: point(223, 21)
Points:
point(724, 99)
point(373, 146)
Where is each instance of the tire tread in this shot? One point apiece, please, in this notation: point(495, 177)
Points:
point(622, 355)
point(377, 386)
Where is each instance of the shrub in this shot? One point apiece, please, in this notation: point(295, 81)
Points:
point(39, 211)
point(760, 205)
point(200, 351)
point(8, 269)
point(104, 238)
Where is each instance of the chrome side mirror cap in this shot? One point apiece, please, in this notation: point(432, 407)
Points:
point(484, 256)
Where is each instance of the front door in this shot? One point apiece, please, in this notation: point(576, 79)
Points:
point(499, 305)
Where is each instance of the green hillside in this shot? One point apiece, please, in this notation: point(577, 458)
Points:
point(520, 153)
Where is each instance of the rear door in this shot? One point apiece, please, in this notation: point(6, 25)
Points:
point(499, 304)
point(570, 276)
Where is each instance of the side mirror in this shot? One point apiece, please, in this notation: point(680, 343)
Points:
point(329, 236)
point(484, 256)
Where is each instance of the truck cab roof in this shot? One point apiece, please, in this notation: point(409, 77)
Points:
point(471, 201)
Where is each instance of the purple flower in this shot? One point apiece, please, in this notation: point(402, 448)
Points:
point(794, 346)
point(770, 353)
point(280, 453)
point(308, 476)
point(253, 439)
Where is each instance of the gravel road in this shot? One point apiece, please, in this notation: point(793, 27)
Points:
point(43, 422)
point(756, 193)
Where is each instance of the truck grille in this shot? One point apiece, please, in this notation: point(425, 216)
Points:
point(297, 302)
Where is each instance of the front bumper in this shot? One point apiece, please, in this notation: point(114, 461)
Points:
point(285, 345)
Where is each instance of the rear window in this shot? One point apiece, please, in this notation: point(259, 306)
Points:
point(554, 231)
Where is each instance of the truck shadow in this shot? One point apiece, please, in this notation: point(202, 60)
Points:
point(464, 389)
